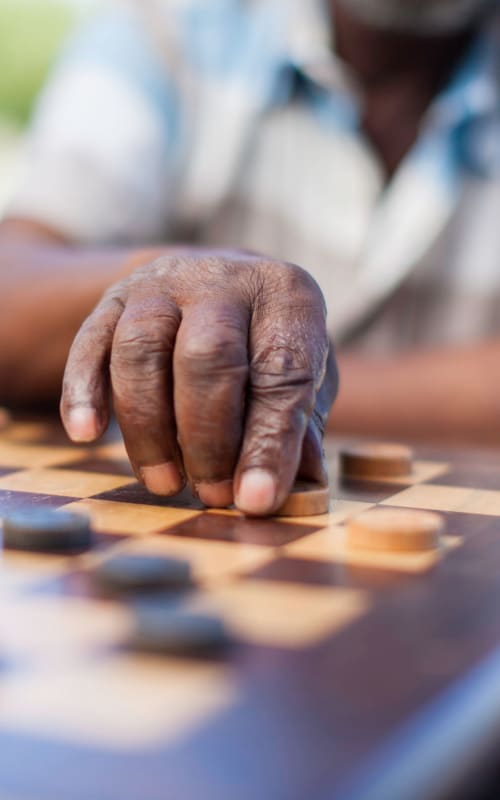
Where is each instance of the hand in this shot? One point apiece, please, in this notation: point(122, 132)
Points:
point(219, 369)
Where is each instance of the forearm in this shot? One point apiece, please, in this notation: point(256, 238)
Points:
point(47, 288)
point(451, 393)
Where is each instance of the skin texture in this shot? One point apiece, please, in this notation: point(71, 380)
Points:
point(252, 322)
point(215, 364)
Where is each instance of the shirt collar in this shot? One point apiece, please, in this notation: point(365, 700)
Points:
point(310, 46)
point(474, 89)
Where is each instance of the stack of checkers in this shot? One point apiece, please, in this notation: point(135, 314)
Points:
point(157, 625)
point(388, 529)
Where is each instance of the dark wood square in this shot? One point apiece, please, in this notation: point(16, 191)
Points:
point(75, 582)
point(14, 501)
point(235, 528)
point(460, 523)
point(473, 476)
point(331, 573)
point(137, 493)
point(106, 466)
point(366, 491)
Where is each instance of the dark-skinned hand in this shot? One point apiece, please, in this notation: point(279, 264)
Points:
point(220, 373)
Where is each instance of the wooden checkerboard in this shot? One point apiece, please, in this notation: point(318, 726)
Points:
point(349, 670)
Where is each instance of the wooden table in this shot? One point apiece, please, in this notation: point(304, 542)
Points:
point(352, 675)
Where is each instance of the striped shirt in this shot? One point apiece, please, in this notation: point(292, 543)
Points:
point(234, 123)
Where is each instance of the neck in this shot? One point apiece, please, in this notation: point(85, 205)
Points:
point(400, 75)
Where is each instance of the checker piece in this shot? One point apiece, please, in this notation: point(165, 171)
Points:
point(134, 572)
point(397, 530)
point(376, 460)
point(161, 630)
point(45, 530)
point(305, 500)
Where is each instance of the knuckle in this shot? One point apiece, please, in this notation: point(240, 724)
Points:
point(78, 387)
point(302, 279)
point(94, 329)
point(98, 328)
point(140, 345)
point(170, 270)
point(293, 283)
point(115, 294)
point(284, 380)
point(290, 311)
point(283, 364)
point(212, 353)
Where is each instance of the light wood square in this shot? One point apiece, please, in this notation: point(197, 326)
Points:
point(210, 561)
point(53, 628)
point(422, 471)
point(21, 569)
point(75, 686)
point(329, 546)
point(281, 614)
point(110, 516)
point(124, 704)
point(114, 450)
point(340, 510)
point(448, 498)
point(23, 432)
point(67, 483)
point(23, 455)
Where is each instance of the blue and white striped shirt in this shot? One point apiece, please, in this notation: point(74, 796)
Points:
point(232, 122)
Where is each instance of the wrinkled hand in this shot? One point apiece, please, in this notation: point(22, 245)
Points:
point(220, 372)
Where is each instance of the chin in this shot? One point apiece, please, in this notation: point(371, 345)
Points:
point(420, 16)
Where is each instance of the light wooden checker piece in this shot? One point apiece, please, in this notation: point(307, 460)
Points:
point(395, 530)
point(376, 460)
point(306, 499)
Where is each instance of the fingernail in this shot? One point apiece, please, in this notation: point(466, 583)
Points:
point(82, 424)
point(164, 479)
point(217, 495)
point(257, 492)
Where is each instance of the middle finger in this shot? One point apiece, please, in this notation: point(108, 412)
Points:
point(210, 377)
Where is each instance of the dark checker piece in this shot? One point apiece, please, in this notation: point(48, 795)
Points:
point(44, 530)
point(131, 572)
point(161, 630)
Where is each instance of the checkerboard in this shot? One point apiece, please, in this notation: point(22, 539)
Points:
point(344, 665)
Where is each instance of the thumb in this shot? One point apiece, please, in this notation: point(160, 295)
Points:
point(312, 463)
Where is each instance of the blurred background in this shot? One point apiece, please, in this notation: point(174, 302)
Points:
point(31, 33)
